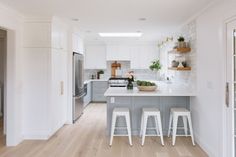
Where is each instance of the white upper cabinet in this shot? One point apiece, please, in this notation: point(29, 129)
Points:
point(77, 43)
point(118, 52)
point(95, 56)
point(37, 34)
point(59, 35)
point(142, 56)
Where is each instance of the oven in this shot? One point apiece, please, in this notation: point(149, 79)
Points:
point(118, 82)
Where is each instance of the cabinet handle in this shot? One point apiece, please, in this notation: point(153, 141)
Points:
point(62, 87)
point(227, 94)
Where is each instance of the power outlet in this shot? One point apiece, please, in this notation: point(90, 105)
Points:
point(112, 100)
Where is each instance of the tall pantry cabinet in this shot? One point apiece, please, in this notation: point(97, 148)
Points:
point(45, 51)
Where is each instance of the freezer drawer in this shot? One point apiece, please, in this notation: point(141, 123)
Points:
point(78, 106)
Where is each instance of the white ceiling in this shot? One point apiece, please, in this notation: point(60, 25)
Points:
point(116, 15)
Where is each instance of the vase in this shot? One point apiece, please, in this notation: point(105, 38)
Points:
point(158, 75)
point(182, 44)
point(130, 85)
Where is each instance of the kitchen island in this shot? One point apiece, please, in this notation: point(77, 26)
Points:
point(164, 98)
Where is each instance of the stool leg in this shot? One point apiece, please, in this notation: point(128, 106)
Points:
point(156, 122)
point(175, 121)
point(160, 128)
point(185, 125)
point(141, 126)
point(170, 122)
point(127, 117)
point(113, 123)
point(144, 128)
point(191, 128)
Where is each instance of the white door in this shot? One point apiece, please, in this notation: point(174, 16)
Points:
point(230, 88)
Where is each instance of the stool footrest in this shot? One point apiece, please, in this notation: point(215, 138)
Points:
point(121, 135)
point(177, 128)
point(183, 135)
point(152, 135)
point(121, 128)
point(151, 128)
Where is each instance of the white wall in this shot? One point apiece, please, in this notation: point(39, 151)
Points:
point(207, 107)
point(12, 21)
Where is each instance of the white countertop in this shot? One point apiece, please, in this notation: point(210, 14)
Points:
point(163, 89)
point(87, 81)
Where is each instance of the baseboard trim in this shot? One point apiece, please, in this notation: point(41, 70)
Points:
point(36, 135)
point(204, 146)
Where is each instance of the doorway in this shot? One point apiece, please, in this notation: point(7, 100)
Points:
point(230, 88)
point(3, 44)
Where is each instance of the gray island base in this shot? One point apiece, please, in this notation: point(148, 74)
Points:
point(135, 101)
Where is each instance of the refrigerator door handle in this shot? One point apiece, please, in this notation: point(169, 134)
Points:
point(227, 94)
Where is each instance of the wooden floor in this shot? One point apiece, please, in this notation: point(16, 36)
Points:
point(87, 138)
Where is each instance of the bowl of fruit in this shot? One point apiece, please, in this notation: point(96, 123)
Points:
point(146, 86)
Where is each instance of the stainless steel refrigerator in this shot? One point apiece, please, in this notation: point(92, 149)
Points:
point(78, 85)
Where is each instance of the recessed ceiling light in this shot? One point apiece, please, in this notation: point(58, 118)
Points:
point(75, 19)
point(138, 34)
point(142, 19)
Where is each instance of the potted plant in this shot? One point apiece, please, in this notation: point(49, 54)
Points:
point(156, 66)
point(99, 73)
point(181, 43)
point(146, 85)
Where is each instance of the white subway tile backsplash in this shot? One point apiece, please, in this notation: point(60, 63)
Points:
point(189, 33)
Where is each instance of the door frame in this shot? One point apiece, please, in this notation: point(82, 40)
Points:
point(228, 112)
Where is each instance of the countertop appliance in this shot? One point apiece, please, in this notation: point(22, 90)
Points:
point(118, 82)
point(78, 85)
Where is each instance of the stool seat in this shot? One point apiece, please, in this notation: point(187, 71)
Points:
point(186, 116)
point(179, 110)
point(121, 111)
point(151, 110)
point(117, 112)
point(146, 113)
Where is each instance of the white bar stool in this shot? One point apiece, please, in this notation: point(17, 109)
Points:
point(146, 113)
point(174, 115)
point(117, 112)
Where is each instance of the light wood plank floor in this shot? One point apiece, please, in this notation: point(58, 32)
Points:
point(87, 138)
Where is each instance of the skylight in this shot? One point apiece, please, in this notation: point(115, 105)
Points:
point(137, 34)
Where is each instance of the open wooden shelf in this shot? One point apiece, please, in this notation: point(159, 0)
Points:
point(180, 69)
point(180, 50)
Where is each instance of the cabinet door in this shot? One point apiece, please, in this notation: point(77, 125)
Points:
point(142, 56)
point(58, 90)
point(59, 35)
point(37, 34)
point(88, 98)
point(112, 52)
point(135, 57)
point(95, 57)
point(118, 52)
point(98, 90)
point(77, 43)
